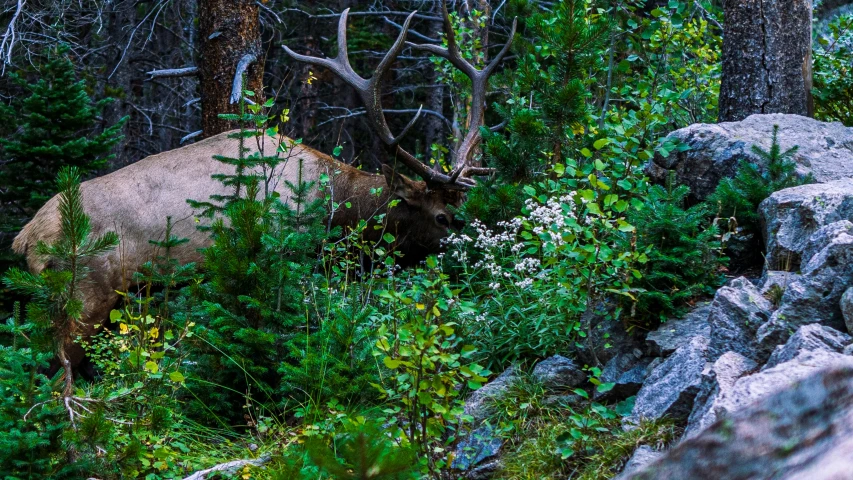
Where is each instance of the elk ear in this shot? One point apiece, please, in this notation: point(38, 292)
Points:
point(401, 186)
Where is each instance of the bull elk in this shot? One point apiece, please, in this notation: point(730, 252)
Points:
point(136, 200)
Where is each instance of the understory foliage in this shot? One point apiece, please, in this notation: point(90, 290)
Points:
point(833, 72)
point(310, 350)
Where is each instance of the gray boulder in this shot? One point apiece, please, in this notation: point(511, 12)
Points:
point(816, 295)
point(715, 150)
point(676, 332)
point(781, 377)
point(559, 373)
point(642, 456)
point(809, 338)
point(847, 309)
point(478, 446)
point(738, 310)
point(791, 216)
point(717, 384)
point(477, 404)
point(670, 389)
point(802, 432)
point(627, 372)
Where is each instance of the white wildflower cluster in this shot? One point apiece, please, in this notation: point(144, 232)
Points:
point(502, 250)
point(551, 216)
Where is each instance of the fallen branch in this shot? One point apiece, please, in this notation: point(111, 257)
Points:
point(228, 467)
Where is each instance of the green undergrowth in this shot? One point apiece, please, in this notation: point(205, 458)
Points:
point(557, 435)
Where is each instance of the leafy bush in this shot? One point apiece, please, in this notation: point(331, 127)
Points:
point(833, 72)
point(684, 252)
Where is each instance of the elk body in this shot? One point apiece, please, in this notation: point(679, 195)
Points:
point(136, 200)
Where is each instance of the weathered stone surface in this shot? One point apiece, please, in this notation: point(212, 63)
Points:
point(816, 296)
point(847, 309)
point(642, 456)
point(675, 333)
point(559, 373)
point(717, 383)
point(791, 216)
point(735, 314)
point(836, 232)
point(627, 371)
point(802, 432)
point(772, 380)
point(479, 445)
point(477, 404)
point(774, 279)
point(809, 338)
point(671, 387)
point(825, 150)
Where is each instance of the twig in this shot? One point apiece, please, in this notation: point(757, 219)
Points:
point(707, 15)
point(190, 136)
point(269, 10)
point(367, 14)
point(237, 86)
point(411, 32)
point(358, 113)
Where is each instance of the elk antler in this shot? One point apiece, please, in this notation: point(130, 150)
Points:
point(370, 90)
point(479, 83)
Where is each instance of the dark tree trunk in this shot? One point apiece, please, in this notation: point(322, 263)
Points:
point(766, 58)
point(229, 31)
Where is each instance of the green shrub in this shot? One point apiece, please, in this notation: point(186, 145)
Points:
point(258, 268)
point(684, 252)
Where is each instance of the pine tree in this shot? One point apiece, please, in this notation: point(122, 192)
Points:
point(56, 304)
point(684, 252)
point(48, 333)
point(56, 128)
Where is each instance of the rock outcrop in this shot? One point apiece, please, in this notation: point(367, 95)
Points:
point(713, 151)
point(804, 431)
point(791, 216)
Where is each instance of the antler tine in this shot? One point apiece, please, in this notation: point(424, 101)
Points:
point(369, 90)
point(479, 83)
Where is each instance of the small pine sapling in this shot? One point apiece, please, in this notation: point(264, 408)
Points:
point(684, 252)
point(739, 197)
point(57, 305)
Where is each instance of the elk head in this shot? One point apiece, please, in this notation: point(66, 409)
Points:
point(423, 206)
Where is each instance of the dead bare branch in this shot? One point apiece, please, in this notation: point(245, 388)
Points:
point(237, 85)
point(172, 73)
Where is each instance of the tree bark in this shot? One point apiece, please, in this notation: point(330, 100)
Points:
point(228, 30)
point(766, 58)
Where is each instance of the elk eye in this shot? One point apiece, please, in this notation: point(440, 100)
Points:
point(442, 220)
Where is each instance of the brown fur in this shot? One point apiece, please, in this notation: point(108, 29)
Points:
point(135, 201)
